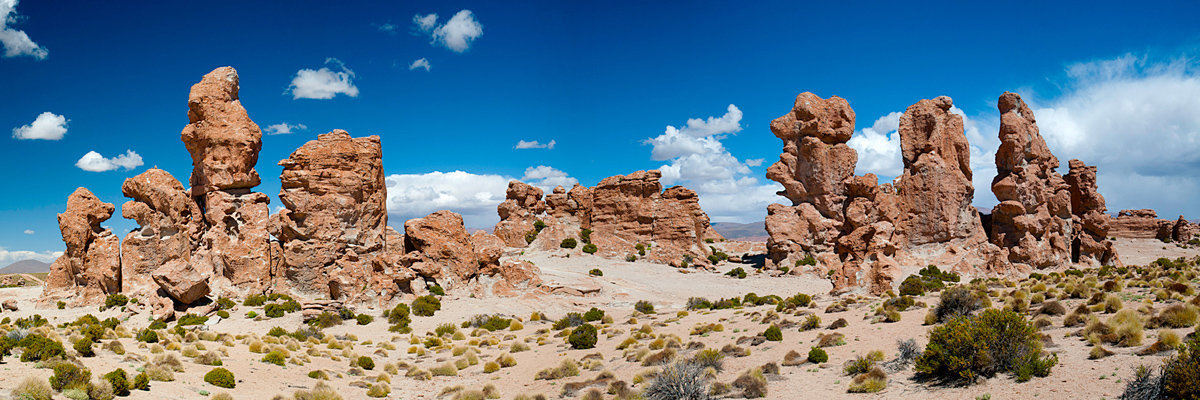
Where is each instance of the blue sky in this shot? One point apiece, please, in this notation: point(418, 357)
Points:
point(1114, 85)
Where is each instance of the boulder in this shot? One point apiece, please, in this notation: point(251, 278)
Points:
point(90, 268)
point(440, 242)
point(182, 282)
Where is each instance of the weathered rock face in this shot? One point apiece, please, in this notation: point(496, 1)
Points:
point(1145, 224)
point(862, 234)
point(162, 208)
point(1033, 219)
point(222, 139)
point(90, 268)
point(1090, 245)
point(442, 248)
point(333, 231)
point(621, 212)
point(935, 189)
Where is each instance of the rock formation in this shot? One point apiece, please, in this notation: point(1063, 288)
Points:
point(222, 139)
point(162, 208)
point(1145, 224)
point(852, 229)
point(1090, 245)
point(90, 268)
point(1033, 219)
point(333, 231)
point(619, 213)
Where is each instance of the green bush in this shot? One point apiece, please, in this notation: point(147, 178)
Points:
point(817, 355)
point(220, 377)
point(530, 237)
point(1181, 374)
point(83, 346)
point(644, 307)
point(365, 362)
point(426, 306)
point(399, 315)
point(968, 347)
point(437, 290)
point(119, 382)
point(191, 319)
point(598, 272)
point(158, 324)
point(147, 335)
point(223, 314)
point(364, 319)
point(773, 333)
point(595, 314)
point(737, 273)
point(569, 320)
point(912, 286)
point(114, 300)
point(590, 248)
point(568, 243)
point(325, 320)
point(274, 357)
point(494, 323)
point(539, 225)
point(69, 376)
point(585, 235)
point(224, 303)
point(807, 260)
point(277, 332)
point(273, 310)
point(141, 381)
point(38, 348)
point(583, 337)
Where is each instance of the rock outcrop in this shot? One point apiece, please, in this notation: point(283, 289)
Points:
point(1033, 219)
point(859, 233)
point(1145, 224)
point(90, 268)
point(618, 214)
point(1090, 245)
point(333, 230)
point(232, 246)
point(162, 209)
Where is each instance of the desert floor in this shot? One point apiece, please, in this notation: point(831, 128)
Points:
point(623, 284)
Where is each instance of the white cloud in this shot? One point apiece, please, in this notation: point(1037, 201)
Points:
point(47, 126)
point(425, 23)
point(29, 231)
point(1139, 122)
point(16, 42)
point(284, 128)
point(324, 83)
point(94, 162)
point(523, 144)
point(878, 147)
point(8, 257)
point(547, 178)
point(420, 63)
point(475, 196)
point(728, 189)
point(457, 33)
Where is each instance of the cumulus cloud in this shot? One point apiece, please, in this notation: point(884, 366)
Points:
point(47, 126)
point(420, 63)
point(456, 34)
point(878, 147)
point(475, 196)
point(524, 144)
point(29, 231)
point(284, 128)
point(729, 191)
point(387, 27)
point(547, 178)
point(11, 256)
point(16, 42)
point(425, 23)
point(94, 162)
point(324, 83)
point(1136, 119)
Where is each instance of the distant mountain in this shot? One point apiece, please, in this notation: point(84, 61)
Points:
point(734, 230)
point(25, 267)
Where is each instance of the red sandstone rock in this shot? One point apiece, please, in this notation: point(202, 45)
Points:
point(222, 139)
point(1033, 219)
point(444, 247)
point(162, 208)
point(90, 268)
point(1091, 245)
point(181, 282)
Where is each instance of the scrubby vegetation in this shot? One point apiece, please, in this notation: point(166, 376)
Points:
point(969, 347)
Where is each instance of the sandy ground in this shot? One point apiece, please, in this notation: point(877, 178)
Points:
point(622, 284)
